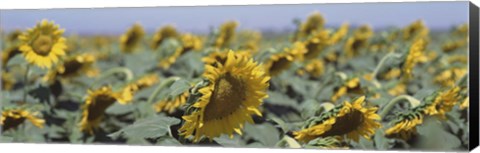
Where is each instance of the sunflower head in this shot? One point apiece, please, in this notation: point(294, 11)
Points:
point(415, 30)
point(450, 76)
point(315, 68)
point(226, 34)
point(8, 54)
point(413, 56)
point(191, 42)
point(171, 104)
point(43, 45)
point(465, 104)
point(313, 23)
point(315, 44)
point(12, 118)
point(170, 53)
point(168, 31)
point(281, 61)
point(348, 87)
point(443, 102)
point(234, 92)
point(96, 103)
point(74, 66)
point(132, 38)
point(129, 90)
point(404, 127)
point(348, 119)
point(339, 34)
point(8, 80)
point(217, 57)
point(14, 36)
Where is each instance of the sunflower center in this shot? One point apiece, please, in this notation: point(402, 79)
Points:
point(228, 95)
point(11, 122)
point(313, 50)
point(98, 107)
point(42, 45)
point(280, 64)
point(346, 124)
point(357, 44)
point(72, 67)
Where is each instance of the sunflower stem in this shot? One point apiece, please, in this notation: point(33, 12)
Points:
point(160, 87)
point(380, 65)
point(413, 103)
point(25, 79)
point(128, 73)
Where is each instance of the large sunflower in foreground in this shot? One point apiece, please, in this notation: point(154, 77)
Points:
point(281, 61)
point(350, 120)
point(12, 118)
point(234, 93)
point(94, 108)
point(132, 38)
point(43, 45)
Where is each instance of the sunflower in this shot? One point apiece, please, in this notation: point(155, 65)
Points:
point(454, 45)
point(130, 89)
point(74, 66)
point(132, 38)
point(443, 102)
point(170, 104)
point(413, 56)
point(219, 56)
point(11, 118)
point(458, 58)
point(234, 93)
point(226, 34)
point(95, 105)
point(339, 34)
point(191, 42)
point(252, 40)
point(169, 60)
point(350, 120)
point(400, 88)
point(349, 86)
point(43, 45)
point(279, 62)
point(316, 43)
point(8, 54)
point(163, 33)
point(315, 68)
point(415, 30)
point(314, 22)
point(353, 45)
point(392, 74)
point(465, 104)
point(13, 36)
point(449, 77)
point(405, 126)
point(8, 80)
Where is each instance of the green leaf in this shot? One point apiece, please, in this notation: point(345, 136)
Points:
point(152, 127)
point(179, 87)
point(381, 142)
point(226, 141)
point(41, 93)
point(277, 98)
point(432, 136)
point(118, 109)
point(265, 133)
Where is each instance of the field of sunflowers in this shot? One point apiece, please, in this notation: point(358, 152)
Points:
point(346, 87)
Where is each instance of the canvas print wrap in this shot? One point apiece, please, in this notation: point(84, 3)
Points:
point(323, 76)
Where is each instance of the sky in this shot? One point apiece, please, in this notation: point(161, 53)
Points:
point(199, 19)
